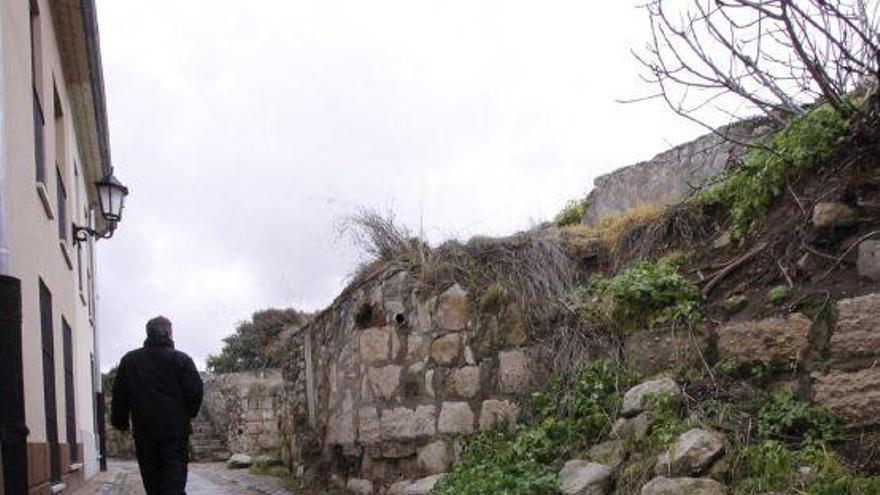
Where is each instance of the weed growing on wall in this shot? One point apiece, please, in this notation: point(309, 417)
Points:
point(572, 413)
point(749, 191)
point(771, 466)
point(572, 213)
point(648, 293)
point(788, 416)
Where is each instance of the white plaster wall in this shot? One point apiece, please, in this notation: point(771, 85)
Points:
point(34, 241)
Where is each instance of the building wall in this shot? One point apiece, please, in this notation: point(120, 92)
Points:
point(34, 240)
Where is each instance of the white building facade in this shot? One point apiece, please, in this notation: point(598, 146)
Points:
point(54, 145)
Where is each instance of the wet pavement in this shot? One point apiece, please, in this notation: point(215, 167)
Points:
point(123, 478)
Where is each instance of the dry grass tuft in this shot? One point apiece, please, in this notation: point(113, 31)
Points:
point(611, 228)
point(532, 269)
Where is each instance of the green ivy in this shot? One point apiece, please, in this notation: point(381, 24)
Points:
point(778, 294)
point(749, 191)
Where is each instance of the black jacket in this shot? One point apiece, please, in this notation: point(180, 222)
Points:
point(160, 388)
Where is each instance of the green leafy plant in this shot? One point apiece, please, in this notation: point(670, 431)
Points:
point(771, 466)
point(572, 213)
point(668, 423)
point(789, 417)
point(574, 411)
point(749, 191)
point(778, 294)
point(648, 293)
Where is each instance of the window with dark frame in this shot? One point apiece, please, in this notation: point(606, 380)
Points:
point(37, 81)
point(50, 407)
point(61, 205)
point(69, 395)
point(60, 130)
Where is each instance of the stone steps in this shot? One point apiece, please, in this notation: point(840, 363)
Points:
point(206, 444)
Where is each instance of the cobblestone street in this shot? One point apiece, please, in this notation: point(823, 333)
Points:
point(123, 478)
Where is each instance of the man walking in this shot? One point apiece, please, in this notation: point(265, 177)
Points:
point(160, 388)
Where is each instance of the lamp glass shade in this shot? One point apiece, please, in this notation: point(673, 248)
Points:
point(111, 196)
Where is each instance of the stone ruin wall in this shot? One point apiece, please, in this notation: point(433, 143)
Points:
point(672, 175)
point(383, 385)
point(383, 407)
point(244, 409)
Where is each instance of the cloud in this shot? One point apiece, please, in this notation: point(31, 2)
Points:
point(246, 130)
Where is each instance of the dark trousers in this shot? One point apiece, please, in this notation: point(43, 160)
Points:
point(163, 464)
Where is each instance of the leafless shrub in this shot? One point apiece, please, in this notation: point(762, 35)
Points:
point(679, 227)
point(773, 56)
point(378, 236)
point(569, 346)
point(534, 269)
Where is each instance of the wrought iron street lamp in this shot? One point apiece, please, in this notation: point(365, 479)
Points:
point(111, 201)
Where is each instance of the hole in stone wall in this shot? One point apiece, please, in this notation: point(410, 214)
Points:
point(400, 319)
point(364, 316)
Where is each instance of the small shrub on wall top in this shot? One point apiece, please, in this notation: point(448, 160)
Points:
point(572, 213)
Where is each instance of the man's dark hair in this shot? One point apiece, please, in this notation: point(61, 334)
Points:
point(159, 327)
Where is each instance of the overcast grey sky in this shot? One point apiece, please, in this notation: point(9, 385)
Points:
point(247, 129)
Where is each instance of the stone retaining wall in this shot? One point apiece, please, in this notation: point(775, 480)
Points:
point(244, 408)
point(383, 385)
point(670, 176)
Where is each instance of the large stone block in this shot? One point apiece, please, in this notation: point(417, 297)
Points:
point(513, 371)
point(635, 400)
point(833, 214)
point(855, 343)
point(421, 486)
point(452, 309)
point(632, 429)
point(456, 417)
point(868, 262)
point(692, 454)
point(767, 341)
point(852, 396)
point(358, 486)
point(340, 424)
point(651, 351)
point(434, 458)
point(683, 486)
point(611, 453)
point(384, 381)
point(579, 477)
point(417, 349)
point(368, 425)
point(375, 344)
point(406, 423)
point(463, 382)
point(445, 349)
point(494, 411)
